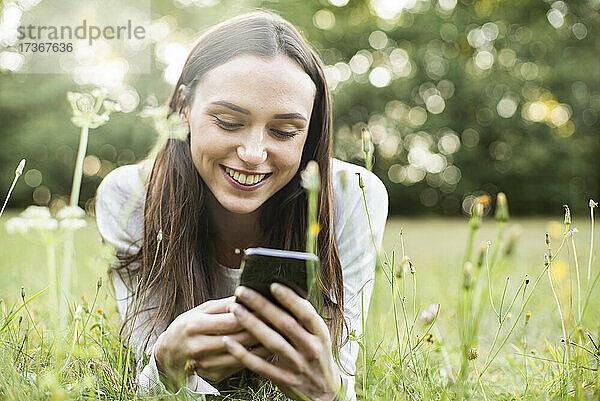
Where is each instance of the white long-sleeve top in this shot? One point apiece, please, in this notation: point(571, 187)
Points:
point(119, 216)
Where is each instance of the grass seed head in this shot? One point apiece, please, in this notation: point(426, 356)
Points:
point(567, 215)
point(548, 240)
point(527, 317)
point(501, 208)
point(467, 275)
point(23, 293)
point(20, 168)
point(99, 283)
point(482, 252)
point(361, 184)
point(546, 260)
point(593, 204)
point(473, 354)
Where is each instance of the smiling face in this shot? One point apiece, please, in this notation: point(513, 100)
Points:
point(248, 124)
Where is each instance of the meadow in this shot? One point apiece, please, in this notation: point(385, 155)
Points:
point(528, 366)
point(480, 307)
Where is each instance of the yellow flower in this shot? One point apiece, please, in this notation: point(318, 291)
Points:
point(315, 228)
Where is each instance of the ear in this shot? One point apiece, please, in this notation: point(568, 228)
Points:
point(181, 95)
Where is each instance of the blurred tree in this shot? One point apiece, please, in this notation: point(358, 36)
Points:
point(464, 98)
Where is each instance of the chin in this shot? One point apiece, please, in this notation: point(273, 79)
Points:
point(240, 209)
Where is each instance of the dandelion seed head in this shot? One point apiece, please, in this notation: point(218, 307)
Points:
point(72, 224)
point(100, 92)
point(17, 225)
point(36, 212)
point(70, 212)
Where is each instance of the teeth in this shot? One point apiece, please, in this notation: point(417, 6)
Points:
point(243, 178)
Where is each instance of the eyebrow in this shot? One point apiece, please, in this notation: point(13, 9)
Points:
point(285, 116)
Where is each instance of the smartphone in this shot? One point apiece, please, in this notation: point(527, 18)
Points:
point(263, 266)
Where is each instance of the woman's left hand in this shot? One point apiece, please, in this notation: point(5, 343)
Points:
point(305, 368)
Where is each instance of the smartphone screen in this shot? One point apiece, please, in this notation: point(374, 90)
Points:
point(263, 266)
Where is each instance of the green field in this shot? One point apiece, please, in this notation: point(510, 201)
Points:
point(436, 247)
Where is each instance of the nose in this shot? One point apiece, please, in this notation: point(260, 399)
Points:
point(252, 150)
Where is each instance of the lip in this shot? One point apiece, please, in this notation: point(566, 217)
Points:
point(237, 185)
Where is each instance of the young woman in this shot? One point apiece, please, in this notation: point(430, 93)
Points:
point(255, 100)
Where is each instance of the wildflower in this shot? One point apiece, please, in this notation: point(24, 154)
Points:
point(17, 225)
point(429, 314)
point(315, 228)
point(501, 207)
point(86, 108)
point(473, 354)
point(99, 311)
point(429, 338)
point(32, 218)
point(72, 224)
point(70, 212)
point(111, 106)
point(567, 215)
point(36, 212)
point(310, 176)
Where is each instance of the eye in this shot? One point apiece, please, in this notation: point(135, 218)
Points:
point(226, 124)
point(284, 134)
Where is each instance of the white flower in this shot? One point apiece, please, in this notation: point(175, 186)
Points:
point(70, 212)
point(100, 92)
point(72, 224)
point(428, 315)
point(43, 224)
point(111, 106)
point(36, 212)
point(17, 225)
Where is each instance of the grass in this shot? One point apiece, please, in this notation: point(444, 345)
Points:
point(447, 322)
point(527, 367)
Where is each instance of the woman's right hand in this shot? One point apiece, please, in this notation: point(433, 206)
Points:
point(197, 336)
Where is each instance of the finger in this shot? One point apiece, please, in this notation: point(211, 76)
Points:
point(217, 324)
point(268, 337)
point(301, 308)
point(226, 360)
point(257, 364)
point(217, 305)
point(280, 319)
point(201, 346)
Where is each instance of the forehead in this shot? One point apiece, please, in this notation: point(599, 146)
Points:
point(276, 84)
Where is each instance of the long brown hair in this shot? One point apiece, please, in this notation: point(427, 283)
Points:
point(182, 277)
